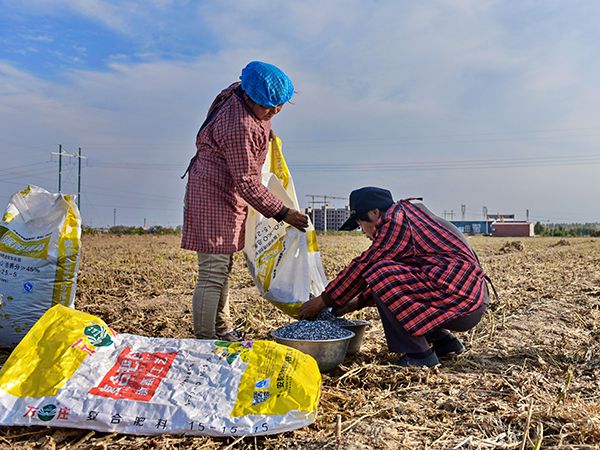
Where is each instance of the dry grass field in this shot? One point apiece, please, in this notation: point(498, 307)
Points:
point(529, 378)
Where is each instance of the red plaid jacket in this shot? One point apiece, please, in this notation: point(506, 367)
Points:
point(226, 176)
point(424, 273)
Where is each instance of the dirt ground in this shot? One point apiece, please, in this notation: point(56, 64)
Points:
point(529, 377)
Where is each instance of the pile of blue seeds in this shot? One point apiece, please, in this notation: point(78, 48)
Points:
point(312, 330)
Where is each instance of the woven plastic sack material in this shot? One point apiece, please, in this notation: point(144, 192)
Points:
point(284, 261)
point(40, 237)
point(72, 370)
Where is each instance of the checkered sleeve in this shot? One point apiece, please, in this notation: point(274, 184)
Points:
point(241, 151)
point(391, 240)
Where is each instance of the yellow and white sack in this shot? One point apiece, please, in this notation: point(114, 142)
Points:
point(40, 235)
point(72, 370)
point(284, 262)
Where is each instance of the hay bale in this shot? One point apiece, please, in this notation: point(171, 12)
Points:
point(560, 243)
point(511, 247)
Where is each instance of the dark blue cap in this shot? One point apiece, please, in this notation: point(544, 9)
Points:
point(365, 199)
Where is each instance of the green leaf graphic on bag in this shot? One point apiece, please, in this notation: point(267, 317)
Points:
point(97, 335)
point(47, 413)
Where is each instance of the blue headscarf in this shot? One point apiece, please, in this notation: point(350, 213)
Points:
point(266, 84)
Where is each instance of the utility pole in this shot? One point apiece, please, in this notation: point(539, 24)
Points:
point(79, 180)
point(324, 214)
point(77, 155)
point(485, 212)
point(463, 210)
point(115, 217)
point(59, 166)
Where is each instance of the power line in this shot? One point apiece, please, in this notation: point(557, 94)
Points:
point(23, 146)
point(135, 166)
point(447, 137)
point(448, 164)
point(14, 183)
point(129, 193)
point(31, 173)
point(135, 207)
point(8, 177)
point(33, 176)
point(8, 169)
point(98, 190)
point(465, 164)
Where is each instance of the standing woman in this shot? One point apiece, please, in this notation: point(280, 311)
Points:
point(224, 178)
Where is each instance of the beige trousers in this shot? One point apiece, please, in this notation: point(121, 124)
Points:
point(210, 303)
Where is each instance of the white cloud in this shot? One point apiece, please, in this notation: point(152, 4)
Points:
point(99, 10)
point(378, 81)
point(38, 38)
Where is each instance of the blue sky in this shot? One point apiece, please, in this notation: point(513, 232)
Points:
point(483, 103)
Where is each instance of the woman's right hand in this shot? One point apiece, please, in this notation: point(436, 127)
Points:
point(296, 219)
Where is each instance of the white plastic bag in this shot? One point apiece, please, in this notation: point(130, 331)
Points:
point(40, 236)
point(284, 262)
point(72, 370)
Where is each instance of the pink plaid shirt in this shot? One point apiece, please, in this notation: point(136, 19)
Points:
point(226, 177)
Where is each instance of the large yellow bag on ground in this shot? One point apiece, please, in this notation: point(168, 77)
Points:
point(284, 262)
point(40, 236)
point(72, 370)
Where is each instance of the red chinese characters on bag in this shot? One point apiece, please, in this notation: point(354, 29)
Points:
point(135, 376)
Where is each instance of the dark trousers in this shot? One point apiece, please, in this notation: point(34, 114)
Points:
point(400, 341)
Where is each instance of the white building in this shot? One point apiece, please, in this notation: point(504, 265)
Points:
point(328, 218)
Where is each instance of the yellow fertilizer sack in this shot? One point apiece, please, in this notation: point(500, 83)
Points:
point(284, 261)
point(40, 235)
point(72, 370)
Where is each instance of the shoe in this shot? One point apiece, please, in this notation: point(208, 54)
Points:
point(230, 336)
point(430, 360)
point(448, 345)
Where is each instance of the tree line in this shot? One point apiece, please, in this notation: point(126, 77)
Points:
point(121, 229)
point(567, 229)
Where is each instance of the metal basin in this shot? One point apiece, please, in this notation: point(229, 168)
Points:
point(358, 327)
point(328, 353)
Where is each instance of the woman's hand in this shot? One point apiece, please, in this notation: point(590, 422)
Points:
point(311, 308)
point(296, 219)
point(340, 310)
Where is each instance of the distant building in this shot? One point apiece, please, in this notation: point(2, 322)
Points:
point(501, 217)
point(513, 229)
point(327, 218)
point(498, 228)
point(474, 226)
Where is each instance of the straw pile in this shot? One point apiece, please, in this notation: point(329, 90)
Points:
point(529, 378)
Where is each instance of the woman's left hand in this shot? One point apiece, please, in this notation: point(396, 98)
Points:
point(346, 308)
